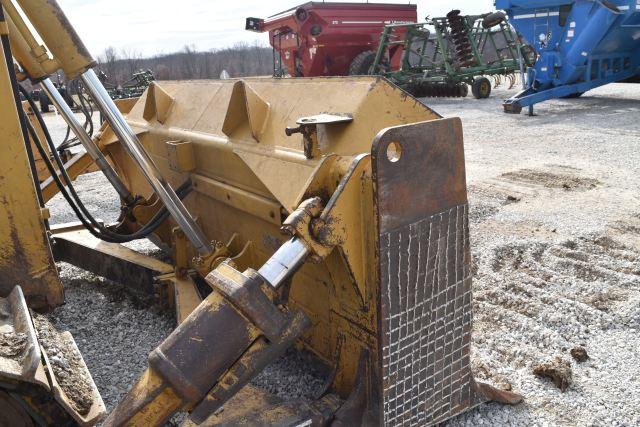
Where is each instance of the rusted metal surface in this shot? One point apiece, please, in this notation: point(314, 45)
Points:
point(309, 127)
point(110, 260)
point(261, 353)
point(245, 292)
point(425, 175)
point(298, 412)
point(244, 404)
point(386, 222)
point(214, 328)
point(425, 305)
point(213, 353)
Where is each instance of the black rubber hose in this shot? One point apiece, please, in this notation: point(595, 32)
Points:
point(87, 111)
point(76, 204)
point(22, 116)
point(63, 173)
point(144, 232)
point(61, 187)
point(88, 124)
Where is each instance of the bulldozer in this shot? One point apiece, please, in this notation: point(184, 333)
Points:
point(324, 214)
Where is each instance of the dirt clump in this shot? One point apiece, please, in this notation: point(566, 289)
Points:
point(512, 199)
point(67, 365)
point(557, 370)
point(567, 182)
point(12, 344)
point(579, 353)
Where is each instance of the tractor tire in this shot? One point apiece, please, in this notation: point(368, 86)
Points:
point(45, 103)
point(493, 19)
point(362, 63)
point(481, 88)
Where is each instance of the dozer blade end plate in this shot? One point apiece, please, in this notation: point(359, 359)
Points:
point(424, 273)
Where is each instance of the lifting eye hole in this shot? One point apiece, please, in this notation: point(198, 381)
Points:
point(301, 15)
point(316, 30)
point(394, 152)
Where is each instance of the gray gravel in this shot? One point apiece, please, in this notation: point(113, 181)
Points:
point(115, 329)
point(555, 220)
point(111, 324)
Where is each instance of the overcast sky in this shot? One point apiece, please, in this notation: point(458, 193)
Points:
point(163, 26)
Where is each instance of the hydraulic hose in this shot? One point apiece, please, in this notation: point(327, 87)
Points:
point(74, 201)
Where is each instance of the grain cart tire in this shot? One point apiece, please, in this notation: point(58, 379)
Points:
point(362, 63)
point(493, 19)
point(45, 103)
point(481, 88)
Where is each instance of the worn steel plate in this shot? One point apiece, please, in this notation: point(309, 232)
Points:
point(424, 273)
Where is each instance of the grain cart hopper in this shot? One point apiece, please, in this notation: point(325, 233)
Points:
point(303, 214)
point(444, 56)
point(581, 45)
point(329, 39)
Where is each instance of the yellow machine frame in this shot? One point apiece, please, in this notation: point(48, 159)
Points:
point(326, 213)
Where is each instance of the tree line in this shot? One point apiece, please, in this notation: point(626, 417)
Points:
point(240, 60)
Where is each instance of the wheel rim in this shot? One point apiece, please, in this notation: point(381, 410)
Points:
point(12, 414)
point(484, 89)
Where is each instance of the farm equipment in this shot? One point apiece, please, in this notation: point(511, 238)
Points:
point(581, 45)
point(442, 56)
point(132, 88)
point(329, 39)
point(297, 213)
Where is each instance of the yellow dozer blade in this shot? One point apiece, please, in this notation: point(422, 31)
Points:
point(327, 214)
point(373, 182)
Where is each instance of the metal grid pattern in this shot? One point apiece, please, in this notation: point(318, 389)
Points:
point(426, 312)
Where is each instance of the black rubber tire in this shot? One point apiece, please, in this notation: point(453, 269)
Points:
point(573, 95)
point(45, 103)
point(529, 55)
point(12, 414)
point(362, 63)
point(481, 88)
point(463, 90)
point(493, 19)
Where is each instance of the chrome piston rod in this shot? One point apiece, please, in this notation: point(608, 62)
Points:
point(86, 141)
point(134, 148)
point(285, 262)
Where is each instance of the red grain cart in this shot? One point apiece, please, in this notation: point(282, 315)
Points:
point(330, 39)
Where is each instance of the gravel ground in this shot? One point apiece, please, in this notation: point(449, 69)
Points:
point(114, 328)
point(555, 220)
